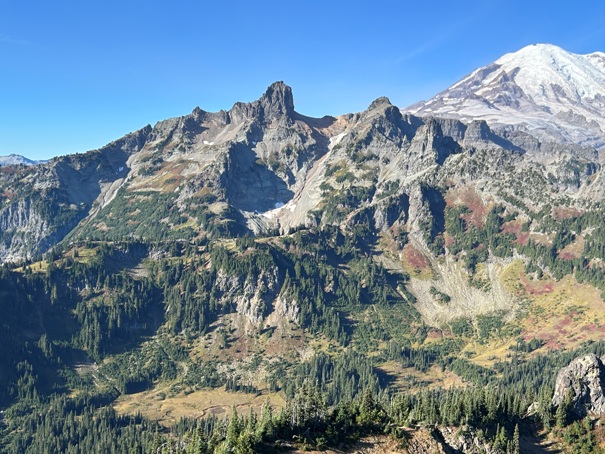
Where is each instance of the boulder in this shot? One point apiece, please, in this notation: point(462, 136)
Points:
point(582, 382)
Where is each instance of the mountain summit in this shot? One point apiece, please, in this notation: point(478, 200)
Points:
point(277, 100)
point(543, 89)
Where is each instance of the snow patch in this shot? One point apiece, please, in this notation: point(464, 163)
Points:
point(279, 206)
point(208, 143)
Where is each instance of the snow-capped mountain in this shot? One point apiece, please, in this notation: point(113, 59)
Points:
point(552, 93)
point(16, 159)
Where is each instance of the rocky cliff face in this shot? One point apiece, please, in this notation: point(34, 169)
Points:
point(41, 205)
point(582, 385)
point(261, 299)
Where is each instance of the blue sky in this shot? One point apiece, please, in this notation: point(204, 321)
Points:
point(75, 75)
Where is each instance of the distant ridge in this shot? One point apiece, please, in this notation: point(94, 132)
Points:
point(16, 159)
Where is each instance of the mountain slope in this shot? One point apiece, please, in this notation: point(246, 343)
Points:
point(554, 94)
point(389, 182)
point(40, 205)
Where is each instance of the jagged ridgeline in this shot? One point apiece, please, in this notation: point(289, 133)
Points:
point(335, 268)
point(262, 168)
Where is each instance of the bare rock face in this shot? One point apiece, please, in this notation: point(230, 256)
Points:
point(41, 204)
point(277, 101)
point(447, 440)
point(253, 296)
point(256, 296)
point(464, 441)
point(584, 380)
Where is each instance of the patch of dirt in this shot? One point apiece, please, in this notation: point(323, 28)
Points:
point(541, 238)
point(560, 213)
point(233, 338)
point(516, 228)
point(573, 250)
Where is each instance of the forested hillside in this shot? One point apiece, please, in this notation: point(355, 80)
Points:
point(98, 322)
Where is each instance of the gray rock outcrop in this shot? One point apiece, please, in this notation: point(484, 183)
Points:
point(582, 382)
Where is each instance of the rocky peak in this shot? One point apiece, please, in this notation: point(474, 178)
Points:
point(198, 114)
point(385, 119)
point(277, 101)
point(383, 101)
point(478, 130)
point(582, 381)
